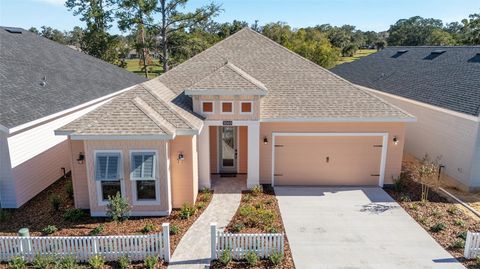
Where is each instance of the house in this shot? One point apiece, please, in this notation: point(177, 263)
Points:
point(245, 107)
point(440, 86)
point(43, 86)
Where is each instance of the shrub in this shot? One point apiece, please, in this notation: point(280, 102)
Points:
point(3, 215)
point(405, 198)
point(151, 261)
point(118, 207)
point(453, 210)
point(265, 217)
point(272, 229)
point(55, 201)
point(17, 262)
point(462, 235)
point(269, 202)
point(423, 220)
point(247, 210)
point(43, 261)
point(123, 262)
point(69, 189)
point(201, 205)
point(257, 190)
point(247, 198)
point(252, 258)
point(437, 227)
point(276, 258)
point(399, 184)
point(206, 196)
point(226, 257)
point(238, 227)
point(174, 229)
point(436, 213)
point(50, 229)
point(73, 214)
point(459, 243)
point(187, 211)
point(98, 230)
point(459, 222)
point(66, 263)
point(414, 207)
point(206, 190)
point(148, 228)
point(96, 262)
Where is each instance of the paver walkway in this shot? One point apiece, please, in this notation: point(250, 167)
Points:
point(193, 251)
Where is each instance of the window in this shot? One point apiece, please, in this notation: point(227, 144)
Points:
point(227, 107)
point(246, 107)
point(143, 175)
point(107, 174)
point(207, 107)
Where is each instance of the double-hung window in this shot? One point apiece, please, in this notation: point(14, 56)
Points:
point(108, 173)
point(144, 176)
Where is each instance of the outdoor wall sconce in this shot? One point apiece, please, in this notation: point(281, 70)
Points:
point(395, 140)
point(265, 140)
point(81, 158)
point(180, 157)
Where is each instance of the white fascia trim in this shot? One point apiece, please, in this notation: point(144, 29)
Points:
point(340, 120)
point(67, 111)
point(59, 132)
point(134, 213)
point(192, 92)
point(187, 132)
point(383, 160)
point(122, 137)
point(432, 107)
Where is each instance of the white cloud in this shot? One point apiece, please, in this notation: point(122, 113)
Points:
point(53, 2)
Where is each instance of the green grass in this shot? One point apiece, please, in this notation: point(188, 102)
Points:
point(135, 66)
point(360, 53)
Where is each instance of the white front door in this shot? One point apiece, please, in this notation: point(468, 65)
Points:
point(227, 149)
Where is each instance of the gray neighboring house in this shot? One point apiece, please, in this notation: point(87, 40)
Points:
point(43, 86)
point(441, 87)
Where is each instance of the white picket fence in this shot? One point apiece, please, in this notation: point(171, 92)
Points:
point(472, 245)
point(240, 244)
point(135, 247)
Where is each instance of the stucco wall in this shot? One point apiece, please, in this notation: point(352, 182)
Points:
point(79, 175)
point(236, 115)
point(394, 152)
point(184, 174)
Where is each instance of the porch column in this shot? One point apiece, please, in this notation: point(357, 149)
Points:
point(253, 173)
point(204, 157)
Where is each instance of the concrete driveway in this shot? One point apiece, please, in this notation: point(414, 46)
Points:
point(355, 228)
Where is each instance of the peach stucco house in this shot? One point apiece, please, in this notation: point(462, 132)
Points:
point(244, 106)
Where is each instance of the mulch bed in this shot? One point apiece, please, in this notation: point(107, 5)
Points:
point(438, 210)
point(265, 200)
point(39, 213)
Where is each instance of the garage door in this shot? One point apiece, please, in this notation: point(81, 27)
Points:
point(327, 160)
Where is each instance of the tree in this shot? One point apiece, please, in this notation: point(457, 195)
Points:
point(426, 172)
point(53, 34)
point(349, 50)
point(440, 37)
point(471, 30)
point(173, 20)
point(34, 30)
point(413, 31)
point(75, 36)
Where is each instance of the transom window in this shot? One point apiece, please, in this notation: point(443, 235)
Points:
point(207, 107)
point(227, 107)
point(108, 173)
point(144, 176)
point(246, 107)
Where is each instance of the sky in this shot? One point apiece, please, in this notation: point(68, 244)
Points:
point(376, 15)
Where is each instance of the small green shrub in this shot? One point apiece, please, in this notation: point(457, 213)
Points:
point(247, 210)
point(462, 235)
point(423, 220)
point(96, 262)
point(272, 229)
point(459, 243)
point(405, 198)
point(251, 258)
point(73, 214)
point(206, 196)
point(247, 197)
point(226, 257)
point(201, 205)
point(238, 227)
point(453, 210)
point(17, 262)
point(98, 230)
point(257, 190)
point(436, 213)
point(3, 215)
point(151, 261)
point(66, 263)
point(123, 262)
point(69, 189)
point(174, 229)
point(400, 184)
point(414, 207)
point(118, 208)
point(206, 190)
point(187, 211)
point(276, 258)
point(55, 201)
point(50, 229)
point(265, 217)
point(459, 222)
point(269, 202)
point(43, 261)
point(149, 227)
point(437, 227)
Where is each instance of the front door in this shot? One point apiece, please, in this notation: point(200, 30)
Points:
point(228, 149)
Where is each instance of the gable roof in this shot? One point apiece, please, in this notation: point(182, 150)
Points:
point(447, 77)
point(72, 77)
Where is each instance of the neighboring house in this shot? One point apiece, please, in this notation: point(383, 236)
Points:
point(244, 106)
point(132, 54)
point(43, 86)
point(441, 87)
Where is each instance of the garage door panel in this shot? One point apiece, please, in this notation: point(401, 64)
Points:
point(320, 160)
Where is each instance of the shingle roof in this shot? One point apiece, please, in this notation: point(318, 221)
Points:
point(449, 80)
point(72, 77)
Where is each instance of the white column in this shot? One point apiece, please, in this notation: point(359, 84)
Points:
point(204, 157)
point(253, 174)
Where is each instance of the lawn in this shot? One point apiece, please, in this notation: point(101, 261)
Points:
point(359, 54)
point(258, 213)
point(446, 221)
point(135, 66)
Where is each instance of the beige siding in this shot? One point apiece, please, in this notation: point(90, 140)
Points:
point(184, 173)
point(438, 133)
point(7, 187)
point(217, 101)
point(125, 147)
point(243, 149)
point(79, 175)
point(394, 153)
